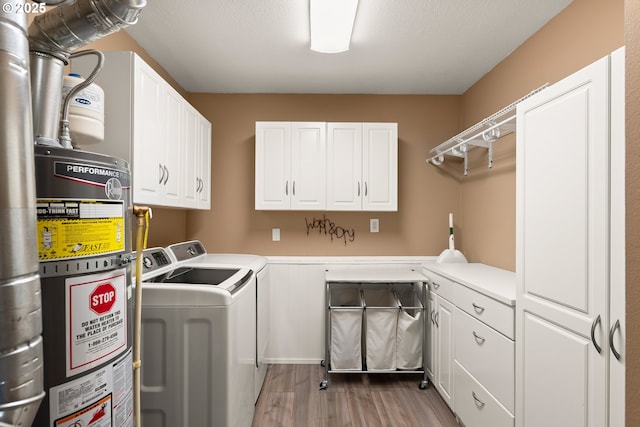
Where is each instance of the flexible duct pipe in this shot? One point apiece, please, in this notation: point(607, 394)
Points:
point(53, 36)
point(21, 379)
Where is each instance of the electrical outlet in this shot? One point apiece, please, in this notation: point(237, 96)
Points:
point(275, 234)
point(374, 225)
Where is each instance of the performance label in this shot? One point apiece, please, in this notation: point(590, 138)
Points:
point(79, 228)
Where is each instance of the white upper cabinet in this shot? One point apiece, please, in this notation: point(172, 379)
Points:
point(362, 166)
point(197, 162)
point(290, 166)
point(147, 124)
point(332, 166)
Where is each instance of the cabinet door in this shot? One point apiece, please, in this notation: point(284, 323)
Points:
point(273, 158)
point(308, 166)
point(149, 142)
point(344, 166)
point(172, 161)
point(380, 166)
point(204, 163)
point(562, 252)
point(444, 319)
point(431, 352)
point(191, 160)
point(617, 268)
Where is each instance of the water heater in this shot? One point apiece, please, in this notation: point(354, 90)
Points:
point(84, 245)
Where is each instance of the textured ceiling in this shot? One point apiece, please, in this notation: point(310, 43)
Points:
point(398, 46)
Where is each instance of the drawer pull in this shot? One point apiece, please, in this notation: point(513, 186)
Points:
point(478, 338)
point(477, 308)
point(479, 403)
point(436, 319)
point(436, 286)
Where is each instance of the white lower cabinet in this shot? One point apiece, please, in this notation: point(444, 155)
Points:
point(444, 349)
point(475, 406)
point(472, 336)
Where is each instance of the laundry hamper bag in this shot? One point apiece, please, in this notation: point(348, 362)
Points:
point(410, 330)
point(346, 328)
point(381, 321)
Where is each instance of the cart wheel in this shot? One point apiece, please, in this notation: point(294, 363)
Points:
point(323, 384)
point(323, 363)
point(423, 384)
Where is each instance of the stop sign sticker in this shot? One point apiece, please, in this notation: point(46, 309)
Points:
point(102, 299)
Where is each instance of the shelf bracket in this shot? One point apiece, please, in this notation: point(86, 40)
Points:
point(483, 134)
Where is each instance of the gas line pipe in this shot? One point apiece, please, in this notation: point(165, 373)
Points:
point(143, 214)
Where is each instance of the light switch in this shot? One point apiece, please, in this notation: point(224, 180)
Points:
point(275, 234)
point(374, 225)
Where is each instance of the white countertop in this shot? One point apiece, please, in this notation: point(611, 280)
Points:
point(494, 282)
point(374, 276)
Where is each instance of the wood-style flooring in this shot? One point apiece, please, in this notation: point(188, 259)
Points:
point(291, 397)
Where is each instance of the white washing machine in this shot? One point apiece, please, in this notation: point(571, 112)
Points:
point(199, 339)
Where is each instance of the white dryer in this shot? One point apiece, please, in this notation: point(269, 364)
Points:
point(199, 339)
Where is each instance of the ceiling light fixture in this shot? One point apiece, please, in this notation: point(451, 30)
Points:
point(331, 24)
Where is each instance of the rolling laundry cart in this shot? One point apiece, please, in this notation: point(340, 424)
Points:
point(375, 322)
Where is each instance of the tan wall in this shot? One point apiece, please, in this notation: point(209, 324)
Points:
point(426, 195)
point(584, 32)
point(632, 81)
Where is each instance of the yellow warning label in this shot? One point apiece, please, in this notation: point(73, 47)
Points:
point(70, 235)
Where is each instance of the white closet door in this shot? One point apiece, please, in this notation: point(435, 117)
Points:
point(562, 252)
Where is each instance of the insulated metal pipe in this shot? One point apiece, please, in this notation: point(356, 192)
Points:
point(53, 36)
point(21, 375)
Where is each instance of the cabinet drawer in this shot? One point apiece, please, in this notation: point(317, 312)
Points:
point(475, 406)
point(494, 313)
point(488, 355)
point(441, 285)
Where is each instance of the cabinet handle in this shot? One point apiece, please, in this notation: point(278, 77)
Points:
point(286, 188)
point(294, 188)
point(200, 185)
point(477, 308)
point(166, 179)
point(479, 402)
point(478, 338)
point(436, 319)
point(593, 334)
point(161, 174)
point(433, 320)
point(366, 190)
point(612, 346)
point(358, 188)
point(436, 286)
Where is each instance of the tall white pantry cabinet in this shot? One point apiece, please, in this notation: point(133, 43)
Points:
point(570, 251)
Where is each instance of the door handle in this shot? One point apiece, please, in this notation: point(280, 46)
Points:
point(593, 334)
point(612, 346)
point(161, 174)
point(166, 179)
